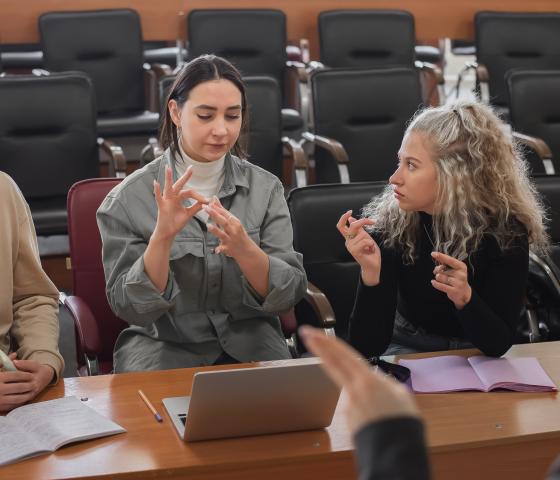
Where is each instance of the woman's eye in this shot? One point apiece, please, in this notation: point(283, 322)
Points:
point(233, 117)
point(204, 117)
point(411, 166)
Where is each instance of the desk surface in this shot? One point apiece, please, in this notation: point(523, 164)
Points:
point(482, 435)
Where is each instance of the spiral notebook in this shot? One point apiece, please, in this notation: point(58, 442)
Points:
point(454, 373)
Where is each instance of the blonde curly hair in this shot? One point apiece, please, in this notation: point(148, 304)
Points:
point(483, 186)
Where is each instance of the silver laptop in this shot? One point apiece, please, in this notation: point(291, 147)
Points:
point(278, 396)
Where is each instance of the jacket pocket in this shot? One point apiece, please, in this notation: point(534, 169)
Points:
point(186, 246)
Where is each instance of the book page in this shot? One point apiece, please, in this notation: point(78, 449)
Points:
point(448, 373)
point(64, 420)
point(521, 374)
point(15, 443)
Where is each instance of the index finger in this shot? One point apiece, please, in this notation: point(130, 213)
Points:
point(342, 363)
point(448, 260)
point(180, 183)
point(355, 226)
point(341, 224)
point(16, 377)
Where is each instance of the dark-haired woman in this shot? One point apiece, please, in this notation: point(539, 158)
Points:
point(197, 245)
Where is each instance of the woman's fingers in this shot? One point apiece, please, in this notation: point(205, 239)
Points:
point(448, 261)
point(341, 224)
point(218, 232)
point(356, 226)
point(218, 217)
point(183, 195)
point(341, 362)
point(180, 183)
point(168, 184)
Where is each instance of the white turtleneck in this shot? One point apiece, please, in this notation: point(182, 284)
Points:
point(207, 177)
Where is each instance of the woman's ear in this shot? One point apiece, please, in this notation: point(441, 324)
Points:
point(174, 112)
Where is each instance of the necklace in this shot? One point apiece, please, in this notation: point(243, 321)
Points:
point(429, 236)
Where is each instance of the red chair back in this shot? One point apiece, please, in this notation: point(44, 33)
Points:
point(84, 198)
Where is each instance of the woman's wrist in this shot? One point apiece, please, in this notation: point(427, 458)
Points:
point(369, 279)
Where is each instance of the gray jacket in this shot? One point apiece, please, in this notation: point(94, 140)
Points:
point(208, 307)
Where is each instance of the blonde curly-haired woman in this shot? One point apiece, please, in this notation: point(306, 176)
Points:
point(444, 249)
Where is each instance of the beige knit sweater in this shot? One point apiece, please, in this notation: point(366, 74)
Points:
point(28, 299)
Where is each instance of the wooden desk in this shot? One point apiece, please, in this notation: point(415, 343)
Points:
point(470, 435)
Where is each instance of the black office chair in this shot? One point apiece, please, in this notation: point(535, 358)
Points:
point(378, 39)
point(360, 117)
point(534, 98)
point(107, 46)
point(541, 318)
point(255, 42)
point(315, 210)
point(506, 41)
point(48, 141)
point(265, 143)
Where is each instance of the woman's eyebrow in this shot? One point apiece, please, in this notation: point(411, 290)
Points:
point(408, 157)
point(210, 107)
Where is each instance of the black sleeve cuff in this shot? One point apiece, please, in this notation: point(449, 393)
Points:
point(392, 449)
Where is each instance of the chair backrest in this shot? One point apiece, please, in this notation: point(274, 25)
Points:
point(535, 108)
point(253, 40)
point(366, 111)
point(549, 188)
point(506, 41)
point(84, 199)
point(366, 38)
point(105, 44)
point(48, 139)
point(314, 211)
point(264, 100)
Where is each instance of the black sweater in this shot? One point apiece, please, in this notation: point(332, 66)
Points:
point(395, 449)
point(497, 278)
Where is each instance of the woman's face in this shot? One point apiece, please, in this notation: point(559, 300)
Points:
point(415, 179)
point(210, 120)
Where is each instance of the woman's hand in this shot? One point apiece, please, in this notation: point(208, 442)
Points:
point(361, 246)
point(371, 396)
point(234, 241)
point(17, 388)
point(172, 214)
point(451, 278)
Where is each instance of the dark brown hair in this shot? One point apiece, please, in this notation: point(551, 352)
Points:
point(199, 70)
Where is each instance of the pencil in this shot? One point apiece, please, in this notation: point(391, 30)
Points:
point(157, 416)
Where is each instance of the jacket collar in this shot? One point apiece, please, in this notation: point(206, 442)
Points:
point(235, 173)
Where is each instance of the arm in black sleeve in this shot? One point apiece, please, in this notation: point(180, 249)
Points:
point(554, 472)
point(392, 449)
point(489, 320)
point(372, 319)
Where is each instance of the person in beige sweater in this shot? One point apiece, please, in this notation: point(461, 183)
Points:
point(28, 305)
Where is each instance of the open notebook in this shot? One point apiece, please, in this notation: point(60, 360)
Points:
point(453, 373)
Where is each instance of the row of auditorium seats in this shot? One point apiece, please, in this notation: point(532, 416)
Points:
point(48, 124)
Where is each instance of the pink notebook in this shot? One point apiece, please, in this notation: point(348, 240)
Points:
point(453, 373)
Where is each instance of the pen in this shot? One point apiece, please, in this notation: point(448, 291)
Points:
point(157, 416)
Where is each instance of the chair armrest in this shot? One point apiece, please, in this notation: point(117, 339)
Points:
point(432, 83)
point(150, 152)
point(300, 160)
point(152, 74)
point(335, 149)
point(540, 147)
point(87, 334)
point(117, 164)
point(482, 73)
point(549, 268)
point(431, 69)
point(322, 308)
